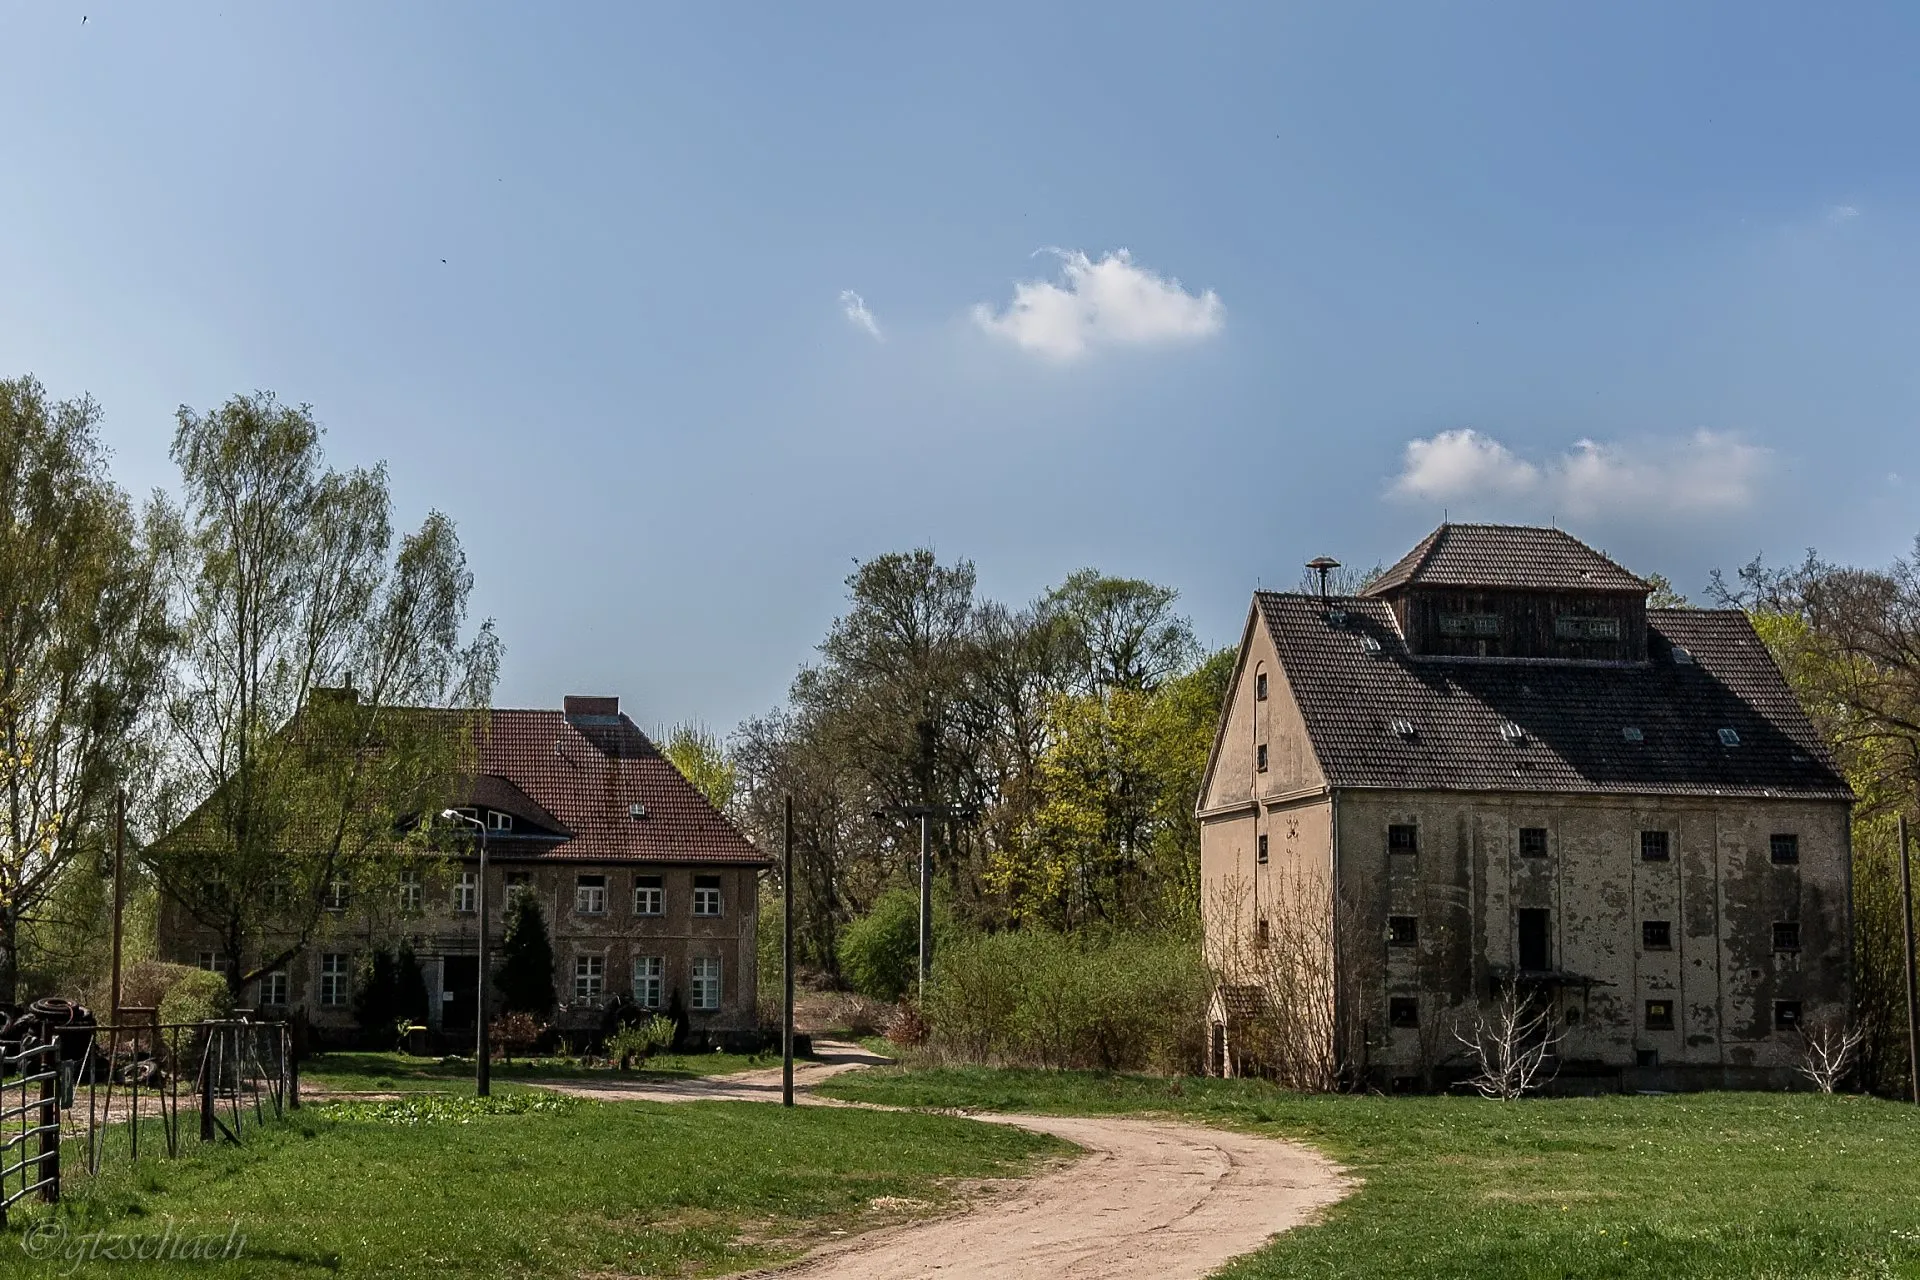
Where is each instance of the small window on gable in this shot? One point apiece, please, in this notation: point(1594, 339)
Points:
point(1263, 849)
point(1654, 846)
point(1403, 837)
point(1784, 847)
point(1403, 1011)
point(1659, 1015)
point(1403, 931)
point(1260, 687)
point(1786, 1015)
point(1533, 842)
point(1729, 737)
point(1786, 935)
point(1260, 757)
point(1656, 935)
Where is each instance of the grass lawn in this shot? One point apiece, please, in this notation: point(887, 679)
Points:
point(437, 1185)
point(399, 1073)
point(1720, 1185)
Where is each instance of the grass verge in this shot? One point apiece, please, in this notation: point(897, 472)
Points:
point(436, 1185)
point(1702, 1185)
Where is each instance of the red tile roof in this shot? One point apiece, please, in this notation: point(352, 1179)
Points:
point(1504, 556)
point(586, 771)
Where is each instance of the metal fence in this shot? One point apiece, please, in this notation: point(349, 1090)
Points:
point(110, 1093)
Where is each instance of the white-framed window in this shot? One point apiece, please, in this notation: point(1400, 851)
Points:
point(649, 981)
point(212, 961)
point(517, 882)
point(649, 896)
point(590, 896)
point(338, 892)
point(589, 977)
point(413, 893)
point(497, 821)
point(466, 892)
point(706, 983)
point(273, 989)
point(335, 978)
point(706, 895)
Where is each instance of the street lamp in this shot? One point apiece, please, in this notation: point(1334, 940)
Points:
point(951, 812)
point(483, 1064)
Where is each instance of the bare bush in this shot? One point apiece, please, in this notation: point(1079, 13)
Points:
point(1514, 1047)
point(1827, 1051)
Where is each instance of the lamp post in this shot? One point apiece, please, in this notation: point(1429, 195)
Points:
point(951, 812)
point(483, 1052)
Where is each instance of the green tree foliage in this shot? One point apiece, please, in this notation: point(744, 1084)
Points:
point(525, 979)
point(83, 642)
point(702, 760)
point(880, 951)
point(195, 995)
point(306, 635)
point(388, 987)
point(1069, 733)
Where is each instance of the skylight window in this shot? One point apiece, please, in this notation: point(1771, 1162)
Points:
point(1512, 732)
point(1682, 657)
point(1632, 734)
point(1336, 618)
point(1369, 644)
point(1402, 729)
point(1729, 737)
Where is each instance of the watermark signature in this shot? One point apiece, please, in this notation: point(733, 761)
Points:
point(54, 1241)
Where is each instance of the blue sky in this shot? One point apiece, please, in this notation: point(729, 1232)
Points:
point(1647, 270)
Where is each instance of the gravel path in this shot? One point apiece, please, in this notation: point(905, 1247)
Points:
point(1150, 1200)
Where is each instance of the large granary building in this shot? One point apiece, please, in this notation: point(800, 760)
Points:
point(1496, 769)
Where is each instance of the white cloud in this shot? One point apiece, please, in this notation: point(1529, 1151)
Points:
point(1842, 213)
point(1112, 302)
point(1706, 473)
point(858, 316)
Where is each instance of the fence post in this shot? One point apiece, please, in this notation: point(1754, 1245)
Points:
point(50, 1135)
point(206, 1086)
point(292, 1055)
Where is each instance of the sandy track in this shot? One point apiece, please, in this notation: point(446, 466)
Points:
point(1150, 1200)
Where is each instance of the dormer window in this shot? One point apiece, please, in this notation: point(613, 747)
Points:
point(1477, 626)
point(497, 821)
point(1575, 627)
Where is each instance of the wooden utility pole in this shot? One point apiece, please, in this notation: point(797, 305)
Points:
point(786, 963)
point(119, 890)
point(1913, 990)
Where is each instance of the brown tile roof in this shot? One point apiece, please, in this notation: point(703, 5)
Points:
point(585, 772)
point(1378, 717)
point(1504, 555)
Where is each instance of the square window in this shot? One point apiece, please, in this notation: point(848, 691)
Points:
point(590, 896)
point(466, 892)
point(1260, 757)
point(706, 896)
point(497, 821)
point(1654, 846)
point(1260, 687)
point(706, 983)
point(1403, 931)
point(337, 893)
point(333, 979)
point(212, 961)
point(1533, 842)
point(1784, 847)
point(1786, 1015)
point(1646, 1057)
point(273, 989)
point(1786, 935)
point(649, 973)
point(1403, 837)
point(1403, 1011)
point(1656, 935)
point(589, 975)
point(1263, 849)
point(413, 894)
point(649, 896)
point(1659, 1015)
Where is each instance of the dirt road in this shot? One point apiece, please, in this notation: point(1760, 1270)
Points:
point(1151, 1200)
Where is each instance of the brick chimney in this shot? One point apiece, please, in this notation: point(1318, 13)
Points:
point(580, 705)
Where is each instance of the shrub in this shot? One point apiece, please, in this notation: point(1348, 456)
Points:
point(1120, 1000)
point(907, 1028)
point(195, 995)
point(516, 1031)
point(641, 1039)
point(880, 952)
point(389, 990)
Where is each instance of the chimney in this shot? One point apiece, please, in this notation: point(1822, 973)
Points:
point(579, 706)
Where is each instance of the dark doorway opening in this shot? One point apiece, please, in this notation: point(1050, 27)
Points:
point(460, 979)
point(1535, 935)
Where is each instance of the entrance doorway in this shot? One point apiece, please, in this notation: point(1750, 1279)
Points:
point(460, 980)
